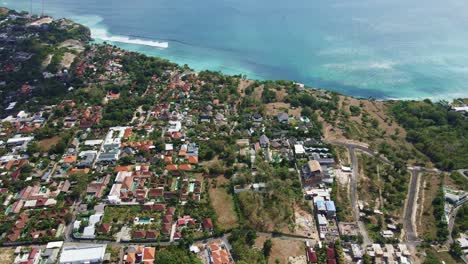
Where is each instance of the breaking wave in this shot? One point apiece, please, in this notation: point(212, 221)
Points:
point(100, 32)
point(103, 34)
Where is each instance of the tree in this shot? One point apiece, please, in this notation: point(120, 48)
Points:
point(456, 250)
point(267, 245)
point(367, 259)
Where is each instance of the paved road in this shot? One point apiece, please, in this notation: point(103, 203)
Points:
point(409, 215)
point(464, 172)
point(354, 197)
point(361, 147)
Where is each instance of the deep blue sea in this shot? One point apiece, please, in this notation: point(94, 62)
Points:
point(366, 48)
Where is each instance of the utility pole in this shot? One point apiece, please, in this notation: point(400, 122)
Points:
point(30, 9)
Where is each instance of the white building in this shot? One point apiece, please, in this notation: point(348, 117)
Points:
point(83, 254)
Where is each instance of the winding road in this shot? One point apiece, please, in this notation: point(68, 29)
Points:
point(354, 197)
point(411, 201)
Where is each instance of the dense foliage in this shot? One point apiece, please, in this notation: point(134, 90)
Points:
point(438, 212)
point(242, 241)
point(436, 131)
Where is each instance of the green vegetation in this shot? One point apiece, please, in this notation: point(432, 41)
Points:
point(435, 130)
point(438, 212)
point(460, 180)
point(461, 221)
point(173, 254)
point(431, 258)
point(242, 241)
point(391, 182)
point(271, 209)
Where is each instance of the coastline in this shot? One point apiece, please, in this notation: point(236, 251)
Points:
point(176, 51)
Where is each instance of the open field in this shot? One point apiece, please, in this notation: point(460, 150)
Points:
point(7, 255)
point(223, 204)
point(47, 143)
point(273, 109)
point(282, 249)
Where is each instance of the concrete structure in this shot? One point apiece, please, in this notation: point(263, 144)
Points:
point(82, 254)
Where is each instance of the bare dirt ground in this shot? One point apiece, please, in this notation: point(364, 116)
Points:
point(305, 224)
point(67, 60)
point(7, 255)
point(281, 94)
point(47, 60)
point(47, 143)
point(3, 10)
point(258, 91)
point(282, 249)
point(44, 20)
point(243, 84)
point(73, 45)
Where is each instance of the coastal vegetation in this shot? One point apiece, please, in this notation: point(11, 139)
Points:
point(435, 130)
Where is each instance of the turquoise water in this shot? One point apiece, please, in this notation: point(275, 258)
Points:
point(367, 48)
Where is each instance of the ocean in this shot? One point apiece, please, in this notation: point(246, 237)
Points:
point(384, 49)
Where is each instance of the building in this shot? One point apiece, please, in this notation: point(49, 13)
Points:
point(264, 141)
point(219, 254)
point(312, 172)
point(283, 118)
point(82, 254)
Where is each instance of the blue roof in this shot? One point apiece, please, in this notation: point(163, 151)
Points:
point(320, 205)
point(330, 205)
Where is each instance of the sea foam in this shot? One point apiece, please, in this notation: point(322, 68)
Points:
point(100, 32)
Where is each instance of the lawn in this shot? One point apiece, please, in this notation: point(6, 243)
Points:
point(223, 204)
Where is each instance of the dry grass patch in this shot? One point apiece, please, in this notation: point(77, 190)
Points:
point(273, 109)
point(243, 84)
point(7, 255)
point(47, 143)
point(258, 91)
point(282, 249)
point(67, 60)
point(281, 94)
point(223, 204)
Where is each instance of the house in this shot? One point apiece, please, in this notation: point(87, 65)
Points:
point(207, 224)
point(104, 229)
point(219, 254)
point(330, 209)
point(312, 172)
point(149, 254)
point(139, 234)
point(283, 118)
point(387, 234)
point(311, 255)
point(264, 141)
point(257, 118)
point(299, 150)
point(112, 96)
